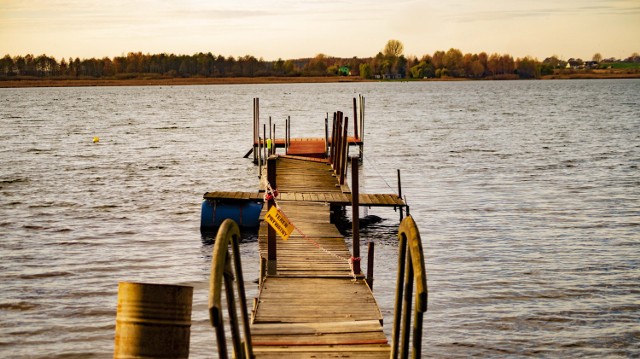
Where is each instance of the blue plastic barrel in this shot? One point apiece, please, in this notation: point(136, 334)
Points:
point(245, 213)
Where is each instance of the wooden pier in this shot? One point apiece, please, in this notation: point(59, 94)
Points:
point(314, 300)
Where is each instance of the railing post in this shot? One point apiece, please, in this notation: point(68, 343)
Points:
point(222, 271)
point(271, 233)
point(400, 194)
point(411, 269)
point(406, 308)
point(397, 314)
point(355, 215)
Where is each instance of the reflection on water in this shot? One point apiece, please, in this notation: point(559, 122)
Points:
point(526, 194)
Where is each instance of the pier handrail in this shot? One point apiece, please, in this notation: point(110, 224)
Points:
point(409, 268)
point(228, 234)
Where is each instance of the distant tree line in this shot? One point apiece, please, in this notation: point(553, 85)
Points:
point(387, 64)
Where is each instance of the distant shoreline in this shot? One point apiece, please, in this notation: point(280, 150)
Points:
point(263, 80)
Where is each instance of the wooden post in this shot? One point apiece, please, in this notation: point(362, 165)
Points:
point(336, 156)
point(253, 140)
point(273, 140)
point(257, 119)
point(338, 143)
point(264, 138)
point(333, 140)
point(345, 151)
point(355, 214)
point(334, 135)
point(289, 132)
point(355, 119)
point(272, 268)
point(270, 134)
point(286, 136)
point(259, 150)
point(362, 113)
point(370, 249)
point(326, 134)
point(400, 194)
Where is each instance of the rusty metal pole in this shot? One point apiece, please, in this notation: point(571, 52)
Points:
point(272, 268)
point(355, 215)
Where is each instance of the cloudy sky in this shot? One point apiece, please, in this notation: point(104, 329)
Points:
point(286, 29)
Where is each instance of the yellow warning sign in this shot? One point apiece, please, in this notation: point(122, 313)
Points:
point(279, 222)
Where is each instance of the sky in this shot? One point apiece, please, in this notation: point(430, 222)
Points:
point(288, 29)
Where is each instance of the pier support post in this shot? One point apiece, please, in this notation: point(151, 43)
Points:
point(355, 119)
point(272, 268)
point(355, 215)
point(344, 151)
point(370, 256)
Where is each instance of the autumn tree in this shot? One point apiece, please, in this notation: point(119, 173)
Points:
point(597, 57)
point(438, 58)
point(316, 66)
point(527, 68)
point(452, 61)
point(499, 65)
point(365, 71)
point(7, 65)
point(393, 48)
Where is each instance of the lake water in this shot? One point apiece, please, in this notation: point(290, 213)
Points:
point(527, 195)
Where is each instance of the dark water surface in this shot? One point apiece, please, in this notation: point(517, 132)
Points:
point(527, 194)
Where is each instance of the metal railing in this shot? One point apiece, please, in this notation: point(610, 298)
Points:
point(221, 269)
point(411, 268)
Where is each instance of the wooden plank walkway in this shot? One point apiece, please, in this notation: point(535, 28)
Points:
point(336, 198)
point(313, 307)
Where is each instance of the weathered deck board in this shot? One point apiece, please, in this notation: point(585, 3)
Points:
point(311, 300)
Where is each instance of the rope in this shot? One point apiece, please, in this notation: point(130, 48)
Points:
point(375, 168)
point(272, 194)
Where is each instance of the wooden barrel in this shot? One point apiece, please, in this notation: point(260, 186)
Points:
point(153, 321)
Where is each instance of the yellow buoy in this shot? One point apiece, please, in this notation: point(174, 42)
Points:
point(96, 139)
